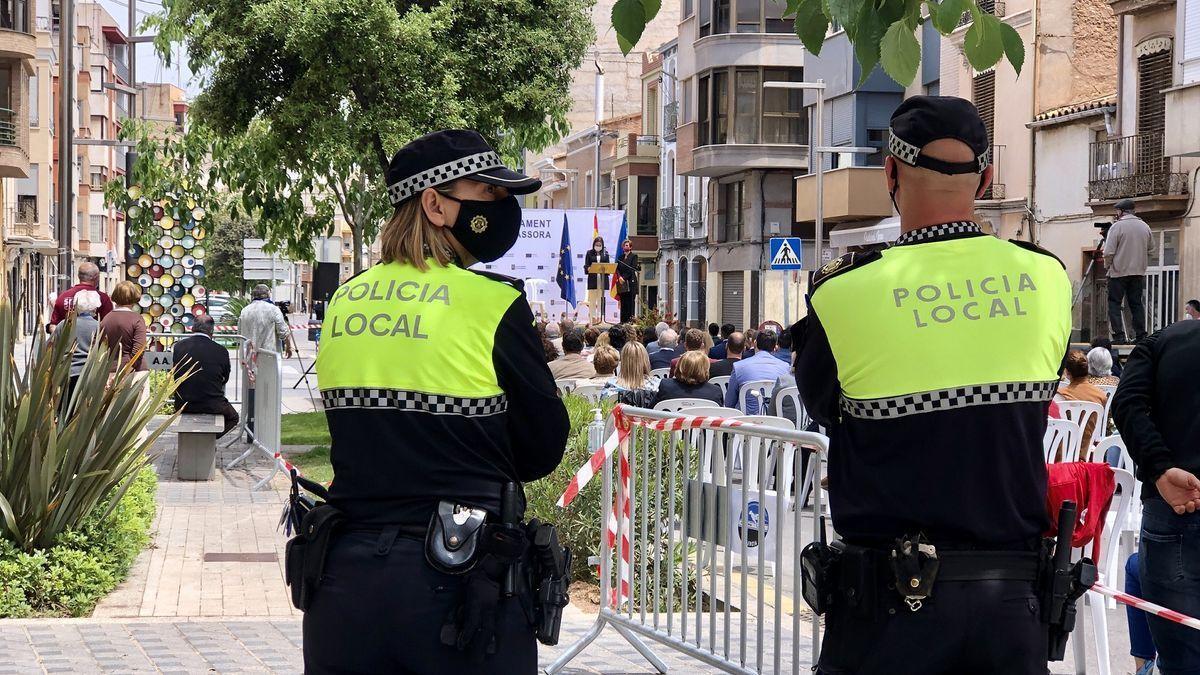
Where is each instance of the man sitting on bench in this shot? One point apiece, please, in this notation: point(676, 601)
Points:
point(204, 390)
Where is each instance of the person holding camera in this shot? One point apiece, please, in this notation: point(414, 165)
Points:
point(1127, 250)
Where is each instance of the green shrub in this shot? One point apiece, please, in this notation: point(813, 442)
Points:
point(160, 380)
point(61, 455)
point(85, 563)
point(579, 523)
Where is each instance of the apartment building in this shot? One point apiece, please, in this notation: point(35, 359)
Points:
point(164, 105)
point(23, 239)
point(1154, 155)
point(739, 146)
point(103, 94)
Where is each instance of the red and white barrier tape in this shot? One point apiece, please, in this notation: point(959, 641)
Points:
point(305, 326)
point(1147, 606)
point(620, 438)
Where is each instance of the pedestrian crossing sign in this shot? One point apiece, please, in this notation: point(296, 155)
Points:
point(785, 253)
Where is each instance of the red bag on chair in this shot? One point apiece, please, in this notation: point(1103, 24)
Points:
point(1090, 485)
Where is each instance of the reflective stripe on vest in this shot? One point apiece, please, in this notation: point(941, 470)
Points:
point(396, 337)
point(946, 324)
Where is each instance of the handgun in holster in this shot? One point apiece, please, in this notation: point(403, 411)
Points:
point(550, 580)
point(1064, 584)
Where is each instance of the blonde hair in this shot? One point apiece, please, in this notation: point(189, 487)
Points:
point(605, 359)
point(692, 369)
point(409, 237)
point(602, 340)
point(635, 366)
point(126, 294)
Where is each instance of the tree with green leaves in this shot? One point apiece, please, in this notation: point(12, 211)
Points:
point(225, 252)
point(882, 31)
point(309, 97)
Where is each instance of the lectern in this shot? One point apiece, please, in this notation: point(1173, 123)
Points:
point(601, 270)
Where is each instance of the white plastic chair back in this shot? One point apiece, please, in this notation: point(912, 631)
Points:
point(721, 381)
point(682, 404)
point(748, 452)
point(591, 392)
point(1109, 390)
point(1083, 413)
point(1105, 567)
point(660, 373)
point(761, 388)
point(565, 386)
point(532, 289)
point(1126, 529)
point(1061, 442)
point(800, 416)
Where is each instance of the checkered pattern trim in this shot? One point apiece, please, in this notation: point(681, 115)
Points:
point(934, 232)
point(439, 175)
point(948, 399)
point(902, 150)
point(415, 401)
point(907, 152)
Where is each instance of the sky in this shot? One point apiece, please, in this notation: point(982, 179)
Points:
point(150, 68)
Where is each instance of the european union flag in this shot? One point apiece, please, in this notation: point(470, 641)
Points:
point(566, 273)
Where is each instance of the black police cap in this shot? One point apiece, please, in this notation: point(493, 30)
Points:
point(920, 120)
point(445, 156)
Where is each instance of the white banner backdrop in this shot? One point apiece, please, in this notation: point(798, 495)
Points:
point(534, 258)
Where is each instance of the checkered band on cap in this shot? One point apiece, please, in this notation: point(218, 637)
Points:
point(907, 152)
point(439, 175)
point(938, 232)
point(412, 401)
point(984, 160)
point(902, 150)
point(949, 399)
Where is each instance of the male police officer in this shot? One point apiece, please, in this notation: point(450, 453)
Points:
point(932, 365)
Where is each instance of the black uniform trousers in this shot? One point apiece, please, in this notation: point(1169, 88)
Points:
point(380, 609)
point(973, 627)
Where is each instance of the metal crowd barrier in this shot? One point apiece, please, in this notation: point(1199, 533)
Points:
point(267, 367)
point(707, 564)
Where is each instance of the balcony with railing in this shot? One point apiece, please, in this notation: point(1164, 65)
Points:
point(670, 224)
point(635, 145)
point(1134, 167)
point(8, 127)
point(670, 120)
point(994, 7)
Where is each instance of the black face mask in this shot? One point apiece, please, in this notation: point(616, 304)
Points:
point(487, 229)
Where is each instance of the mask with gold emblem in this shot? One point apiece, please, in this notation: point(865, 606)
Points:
point(487, 229)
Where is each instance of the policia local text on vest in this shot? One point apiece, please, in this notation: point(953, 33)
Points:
point(439, 404)
point(932, 364)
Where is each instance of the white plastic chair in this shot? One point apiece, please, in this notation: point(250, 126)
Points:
point(1083, 413)
point(760, 387)
point(800, 418)
point(1097, 615)
point(592, 392)
point(565, 386)
point(721, 381)
point(660, 373)
point(1061, 440)
point(1128, 529)
point(752, 454)
point(1109, 390)
point(682, 404)
point(533, 289)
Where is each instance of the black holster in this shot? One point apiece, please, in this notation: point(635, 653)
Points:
point(304, 559)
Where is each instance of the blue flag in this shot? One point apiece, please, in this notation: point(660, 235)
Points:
point(566, 272)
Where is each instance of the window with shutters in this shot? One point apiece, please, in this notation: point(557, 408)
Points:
point(983, 94)
point(730, 207)
point(1154, 75)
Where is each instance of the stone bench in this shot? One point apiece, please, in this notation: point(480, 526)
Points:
point(196, 458)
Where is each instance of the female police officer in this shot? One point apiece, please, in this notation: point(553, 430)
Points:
point(435, 388)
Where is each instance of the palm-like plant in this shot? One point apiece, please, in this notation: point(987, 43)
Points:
point(60, 458)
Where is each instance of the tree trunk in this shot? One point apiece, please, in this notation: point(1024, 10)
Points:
point(356, 230)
